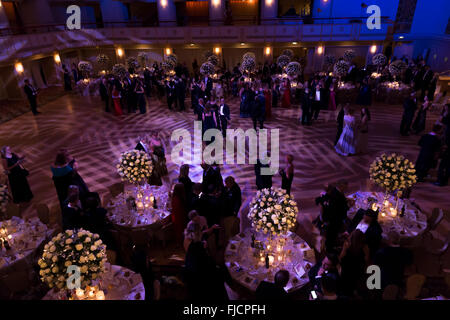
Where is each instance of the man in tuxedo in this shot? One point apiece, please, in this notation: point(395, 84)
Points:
point(233, 195)
point(427, 76)
point(409, 109)
point(180, 92)
point(430, 145)
point(199, 109)
point(31, 93)
point(274, 291)
point(104, 93)
point(208, 86)
point(328, 265)
point(147, 82)
point(258, 110)
point(224, 116)
point(306, 105)
point(170, 93)
point(338, 206)
point(262, 181)
point(318, 96)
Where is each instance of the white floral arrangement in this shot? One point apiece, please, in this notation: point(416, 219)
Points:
point(248, 55)
point(349, 55)
point(341, 68)
point(132, 63)
point(213, 59)
point(393, 172)
point(207, 54)
point(4, 198)
point(330, 60)
point(293, 68)
point(134, 166)
point(207, 68)
point(103, 60)
point(119, 70)
point(73, 247)
point(85, 67)
point(396, 68)
point(167, 65)
point(143, 58)
point(248, 65)
point(172, 58)
point(273, 211)
point(283, 61)
point(379, 59)
point(289, 53)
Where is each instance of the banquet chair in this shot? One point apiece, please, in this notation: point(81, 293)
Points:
point(116, 189)
point(414, 286)
point(391, 292)
point(13, 210)
point(43, 213)
point(231, 225)
point(156, 290)
point(140, 237)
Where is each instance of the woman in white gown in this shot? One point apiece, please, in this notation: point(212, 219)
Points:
point(347, 142)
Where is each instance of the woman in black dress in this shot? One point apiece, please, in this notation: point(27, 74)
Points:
point(140, 97)
point(287, 175)
point(421, 118)
point(17, 176)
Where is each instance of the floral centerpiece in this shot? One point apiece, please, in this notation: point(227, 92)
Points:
point(207, 68)
point(73, 247)
point(393, 172)
point(283, 60)
point(135, 166)
point(213, 59)
point(103, 60)
point(248, 65)
point(289, 53)
point(143, 58)
point(119, 70)
point(349, 55)
point(132, 64)
point(273, 212)
point(4, 198)
point(172, 58)
point(293, 68)
point(249, 55)
point(341, 68)
point(85, 68)
point(379, 59)
point(207, 54)
point(396, 68)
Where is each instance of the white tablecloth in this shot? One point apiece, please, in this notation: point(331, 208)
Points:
point(26, 238)
point(118, 283)
point(249, 270)
point(119, 213)
point(411, 225)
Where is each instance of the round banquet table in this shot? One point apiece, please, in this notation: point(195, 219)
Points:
point(410, 226)
point(26, 238)
point(117, 283)
point(124, 217)
point(249, 271)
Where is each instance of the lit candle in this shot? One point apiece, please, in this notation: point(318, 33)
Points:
point(271, 259)
point(393, 212)
point(278, 248)
point(374, 207)
point(386, 203)
point(140, 205)
point(80, 293)
point(280, 257)
point(100, 295)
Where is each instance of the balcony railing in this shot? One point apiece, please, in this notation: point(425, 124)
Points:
point(250, 21)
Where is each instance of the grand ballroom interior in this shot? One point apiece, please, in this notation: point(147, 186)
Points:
point(221, 150)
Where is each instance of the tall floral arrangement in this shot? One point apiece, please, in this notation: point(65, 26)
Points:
point(341, 68)
point(349, 55)
point(396, 68)
point(213, 59)
point(173, 59)
point(207, 54)
point(80, 248)
point(283, 61)
point(85, 68)
point(248, 55)
point(103, 61)
point(393, 172)
point(119, 70)
point(143, 58)
point(4, 198)
point(330, 60)
point(293, 68)
point(207, 68)
point(248, 65)
point(135, 166)
point(379, 59)
point(273, 211)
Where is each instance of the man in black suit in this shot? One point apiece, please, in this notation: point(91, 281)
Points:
point(104, 93)
point(199, 109)
point(318, 95)
point(170, 93)
point(208, 86)
point(306, 105)
point(180, 92)
point(409, 109)
point(31, 93)
point(233, 195)
point(340, 122)
point(211, 176)
point(273, 291)
point(224, 116)
point(430, 145)
point(262, 181)
point(147, 82)
point(427, 76)
point(258, 110)
point(329, 265)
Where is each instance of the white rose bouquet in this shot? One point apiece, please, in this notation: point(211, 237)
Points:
point(103, 60)
point(207, 68)
point(379, 59)
point(4, 197)
point(273, 211)
point(73, 247)
point(293, 68)
point(341, 68)
point(393, 172)
point(135, 166)
point(172, 58)
point(132, 63)
point(85, 68)
point(349, 55)
point(396, 68)
point(248, 55)
point(330, 60)
point(143, 58)
point(119, 70)
point(289, 53)
point(248, 65)
point(283, 61)
point(213, 59)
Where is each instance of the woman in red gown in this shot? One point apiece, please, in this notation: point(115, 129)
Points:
point(286, 88)
point(116, 99)
point(179, 214)
point(268, 97)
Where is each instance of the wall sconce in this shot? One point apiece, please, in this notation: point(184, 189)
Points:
point(267, 51)
point(216, 3)
point(373, 49)
point(269, 3)
point(242, 44)
point(217, 50)
point(163, 3)
point(168, 51)
point(0, 4)
point(120, 52)
point(19, 67)
point(320, 50)
point(57, 58)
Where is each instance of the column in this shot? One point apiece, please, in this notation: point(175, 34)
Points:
point(36, 12)
point(167, 13)
point(216, 12)
point(113, 11)
point(269, 11)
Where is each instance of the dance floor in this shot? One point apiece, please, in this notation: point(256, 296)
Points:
point(96, 139)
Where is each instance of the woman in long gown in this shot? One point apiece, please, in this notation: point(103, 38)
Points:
point(158, 159)
point(179, 214)
point(209, 120)
point(17, 176)
point(332, 99)
point(275, 93)
point(140, 95)
point(268, 98)
point(347, 142)
point(421, 118)
point(116, 98)
point(363, 131)
point(286, 94)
